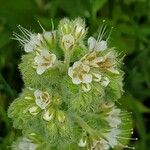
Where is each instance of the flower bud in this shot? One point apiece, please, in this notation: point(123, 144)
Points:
point(48, 115)
point(82, 143)
point(34, 110)
point(68, 42)
point(79, 28)
point(61, 116)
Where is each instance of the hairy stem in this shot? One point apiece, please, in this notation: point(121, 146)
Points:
point(86, 127)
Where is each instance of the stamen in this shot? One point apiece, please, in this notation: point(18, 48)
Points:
point(41, 26)
point(126, 146)
point(52, 24)
point(134, 139)
point(20, 38)
point(109, 33)
point(25, 32)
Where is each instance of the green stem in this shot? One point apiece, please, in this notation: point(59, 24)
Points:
point(86, 127)
point(67, 59)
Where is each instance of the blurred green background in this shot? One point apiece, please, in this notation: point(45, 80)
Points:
point(131, 36)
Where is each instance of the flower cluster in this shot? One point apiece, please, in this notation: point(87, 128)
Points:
point(92, 66)
point(71, 86)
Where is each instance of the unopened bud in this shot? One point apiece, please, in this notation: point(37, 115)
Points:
point(61, 116)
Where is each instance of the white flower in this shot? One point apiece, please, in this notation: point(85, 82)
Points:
point(82, 143)
point(113, 117)
point(112, 137)
point(26, 144)
point(91, 59)
point(33, 42)
point(79, 73)
point(68, 41)
point(100, 145)
point(48, 115)
point(44, 61)
point(42, 99)
point(95, 45)
point(109, 63)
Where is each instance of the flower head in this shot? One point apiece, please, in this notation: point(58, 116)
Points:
point(44, 61)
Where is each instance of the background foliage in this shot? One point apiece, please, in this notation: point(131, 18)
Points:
point(131, 34)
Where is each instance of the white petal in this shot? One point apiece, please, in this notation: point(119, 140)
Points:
point(87, 78)
point(37, 93)
point(91, 43)
point(28, 47)
point(100, 46)
point(40, 70)
point(86, 87)
point(45, 53)
point(76, 80)
point(77, 64)
point(86, 68)
point(70, 72)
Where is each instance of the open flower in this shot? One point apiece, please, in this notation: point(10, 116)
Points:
point(44, 61)
point(109, 63)
point(80, 73)
point(91, 59)
point(42, 99)
point(112, 137)
point(95, 45)
point(33, 43)
point(113, 118)
point(68, 41)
